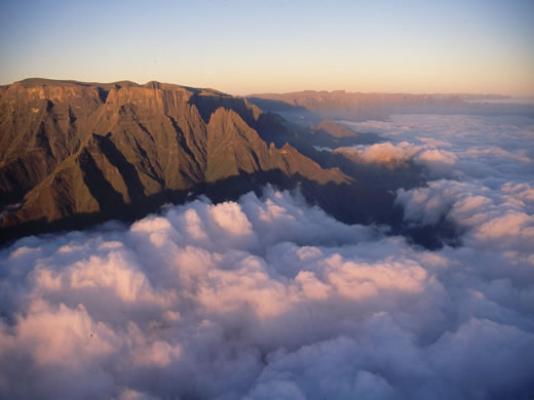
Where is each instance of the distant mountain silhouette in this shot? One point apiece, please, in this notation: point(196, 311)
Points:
point(313, 106)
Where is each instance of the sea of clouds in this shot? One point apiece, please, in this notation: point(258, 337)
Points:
point(269, 298)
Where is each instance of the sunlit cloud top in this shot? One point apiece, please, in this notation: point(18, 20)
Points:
point(241, 47)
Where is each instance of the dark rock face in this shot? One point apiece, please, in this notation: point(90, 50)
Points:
point(72, 149)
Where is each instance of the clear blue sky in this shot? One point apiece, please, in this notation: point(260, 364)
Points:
point(257, 46)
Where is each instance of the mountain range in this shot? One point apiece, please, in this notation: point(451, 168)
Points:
point(80, 150)
point(74, 154)
point(313, 105)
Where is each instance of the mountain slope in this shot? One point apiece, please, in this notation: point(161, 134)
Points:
point(71, 148)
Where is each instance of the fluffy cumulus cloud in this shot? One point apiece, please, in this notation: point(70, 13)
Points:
point(502, 217)
point(269, 298)
point(393, 155)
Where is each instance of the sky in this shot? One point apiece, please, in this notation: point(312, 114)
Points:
point(243, 47)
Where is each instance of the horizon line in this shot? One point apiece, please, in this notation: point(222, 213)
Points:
point(348, 91)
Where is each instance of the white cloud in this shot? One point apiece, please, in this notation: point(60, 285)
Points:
point(289, 302)
point(393, 155)
point(495, 149)
point(501, 218)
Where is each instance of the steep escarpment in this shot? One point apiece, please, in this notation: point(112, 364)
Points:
point(71, 148)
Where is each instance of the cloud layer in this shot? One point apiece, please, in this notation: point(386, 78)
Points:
point(271, 298)
point(491, 149)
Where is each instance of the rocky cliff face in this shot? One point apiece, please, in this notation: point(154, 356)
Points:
point(71, 148)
